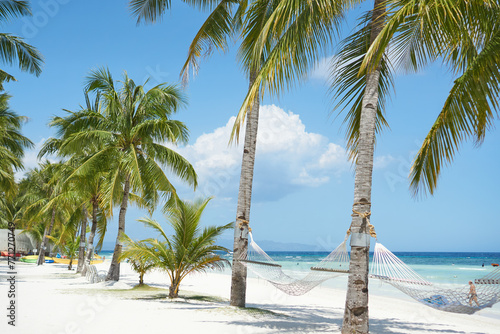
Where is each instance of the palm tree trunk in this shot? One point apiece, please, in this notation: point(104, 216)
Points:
point(174, 288)
point(356, 306)
point(141, 278)
point(239, 271)
point(83, 233)
point(45, 242)
point(90, 247)
point(114, 268)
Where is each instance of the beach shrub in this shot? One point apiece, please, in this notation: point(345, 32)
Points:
point(190, 249)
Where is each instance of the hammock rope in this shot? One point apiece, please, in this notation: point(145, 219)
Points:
point(390, 269)
point(386, 267)
point(261, 264)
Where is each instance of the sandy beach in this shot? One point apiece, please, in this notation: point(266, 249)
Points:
point(51, 299)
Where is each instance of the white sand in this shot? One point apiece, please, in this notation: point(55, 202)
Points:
point(52, 300)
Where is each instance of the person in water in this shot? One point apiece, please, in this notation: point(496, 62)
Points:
point(472, 294)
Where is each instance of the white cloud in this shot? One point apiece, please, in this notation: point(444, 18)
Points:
point(288, 157)
point(30, 159)
point(383, 161)
point(322, 69)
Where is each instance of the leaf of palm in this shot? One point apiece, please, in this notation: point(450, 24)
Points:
point(214, 32)
point(348, 85)
point(298, 33)
point(14, 48)
point(13, 9)
point(468, 112)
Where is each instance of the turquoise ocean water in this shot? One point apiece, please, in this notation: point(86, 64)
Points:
point(436, 267)
point(445, 269)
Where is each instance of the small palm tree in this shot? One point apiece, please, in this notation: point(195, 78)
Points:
point(189, 250)
point(68, 244)
point(140, 265)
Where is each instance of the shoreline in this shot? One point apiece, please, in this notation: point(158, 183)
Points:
point(72, 305)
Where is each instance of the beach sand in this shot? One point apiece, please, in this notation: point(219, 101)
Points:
point(51, 299)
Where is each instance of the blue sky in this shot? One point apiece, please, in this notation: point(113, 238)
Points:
point(303, 187)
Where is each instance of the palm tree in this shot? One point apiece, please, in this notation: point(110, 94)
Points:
point(466, 40)
point(12, 145)
point(13, 48)
point(250, 23)
point(124, 141)
point(189, 250)
point(140, 265)
point(41, 188)
point(88, 188)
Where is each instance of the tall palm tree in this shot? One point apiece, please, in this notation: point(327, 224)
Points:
point(466, 37)
point(41, 188)
point(87, 188)
point(467, 41)
point(360, 91)
point(125, 141)
point(190, 250)
point(250, 23)
point(13, 48)
point(12, 145)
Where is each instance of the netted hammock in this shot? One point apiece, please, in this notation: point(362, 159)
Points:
point(385, 267)
point(390, 269)
point(262, 265)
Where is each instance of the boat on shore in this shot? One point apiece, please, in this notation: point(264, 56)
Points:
point(34, 259)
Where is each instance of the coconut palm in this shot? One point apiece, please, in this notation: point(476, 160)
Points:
point(252, 23)
point(140, 265)
point(190, 250)
point(41, 188)
point(68, 244)
point(466, 40)
point(13, 48)
point(124, 140)
point(88, 188)
point(12, 145)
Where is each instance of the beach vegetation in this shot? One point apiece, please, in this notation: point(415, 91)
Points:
point(68, 244)
point(12, 147)
point(263, 28)
point(40, 205)
point(87, 189)
point(191, 249)
point(124, 138)
point(13, 49)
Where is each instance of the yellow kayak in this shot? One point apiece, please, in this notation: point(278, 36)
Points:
point(75, 261)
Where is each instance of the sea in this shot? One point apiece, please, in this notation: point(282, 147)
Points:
point(445, 269)
point(436, 267)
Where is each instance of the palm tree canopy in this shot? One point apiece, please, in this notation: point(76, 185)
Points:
point(288, 40)
point(14, 49)
point(466, 40)
point(12, 144)
point(124, 136)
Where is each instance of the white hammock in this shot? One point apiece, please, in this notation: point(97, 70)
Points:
point(390, 269)
point(261, 264)
point(385, 267)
